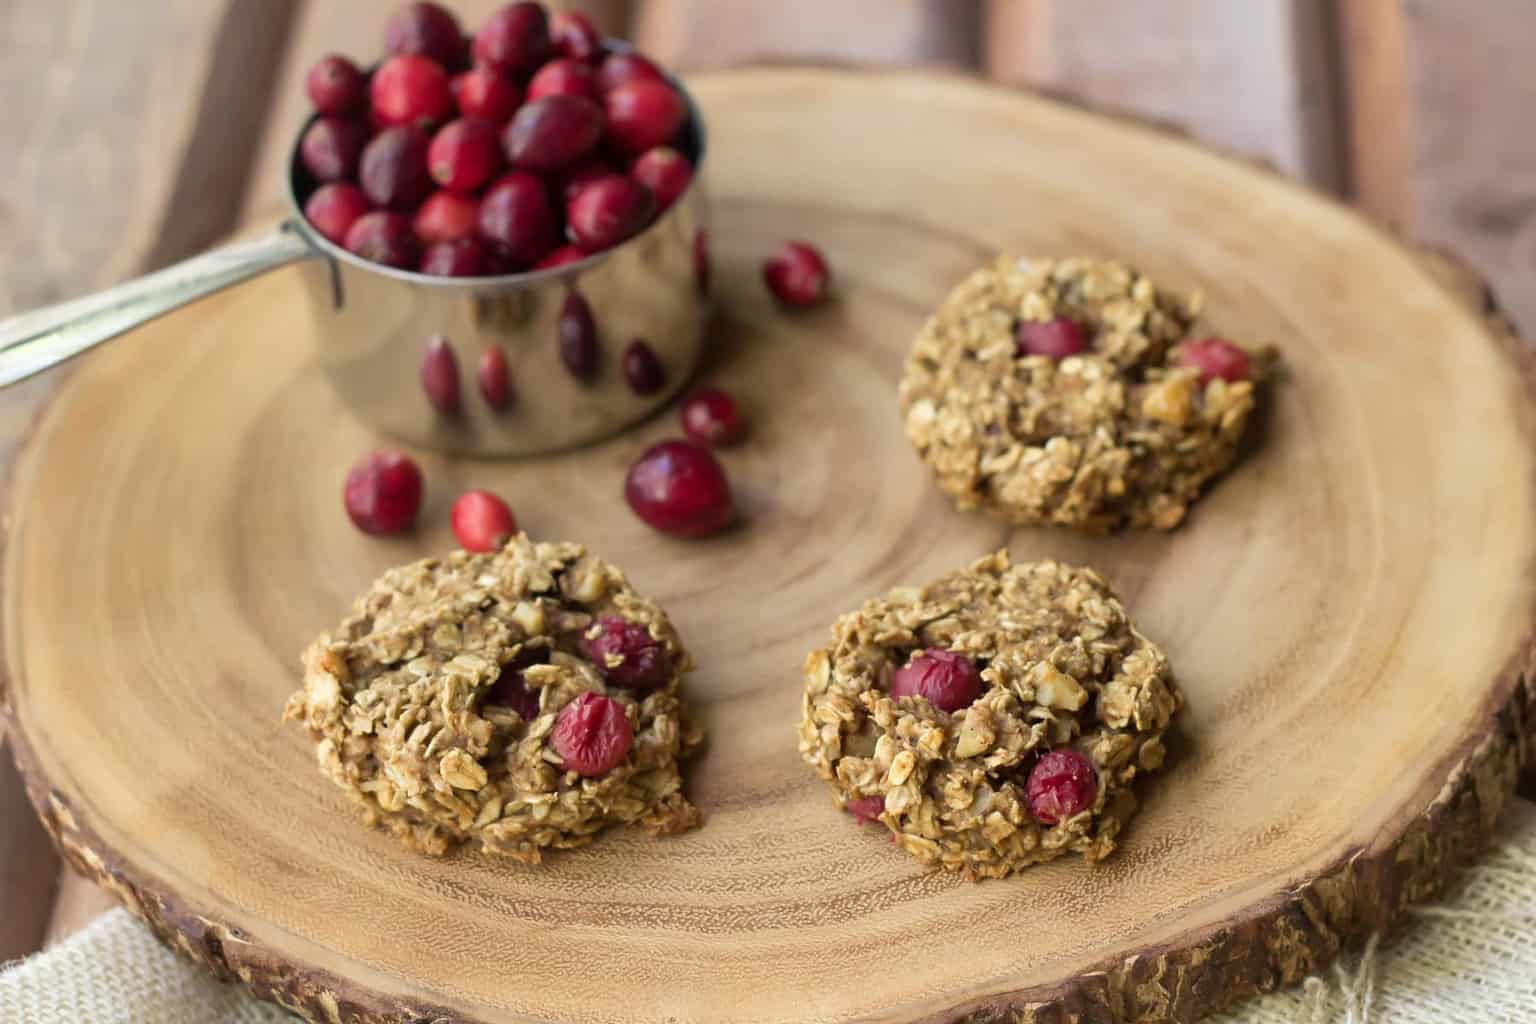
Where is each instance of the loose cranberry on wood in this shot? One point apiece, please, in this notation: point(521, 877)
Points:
point(710, 417)
point(514, 39)
point(627, 655)
point(333, 209)
point(553, 132)
point(383, 493)
point(947, 680)
point(410, 89)
point(481, 521)
point(679, 488)
point(426, 29)
point(384, 237)
point(515, 215)
point(796, 274)
point(1061, 784)
point(337, 86)
point(592, 735)
point(608, 211)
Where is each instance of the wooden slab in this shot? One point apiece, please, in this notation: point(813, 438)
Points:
point(1348, 612)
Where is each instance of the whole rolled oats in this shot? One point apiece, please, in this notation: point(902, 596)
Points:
point(1121, 434)
point(433, 705)
point(1063, 668)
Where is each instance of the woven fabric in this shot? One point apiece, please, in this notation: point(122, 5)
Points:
point(1469, 960)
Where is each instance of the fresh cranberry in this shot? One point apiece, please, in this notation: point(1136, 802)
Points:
point(643, 114)
point(578, 337)
point(440, 376)
point(796, 274)
point(330, 148)
point(701, 262)
point(553, 132)
point(627, 655)
point(495, 381)
point(511, 689)
point(866, 809)
point(574, 36)
point(515, 215)
point(336, 86)
point(465, 154)
point(394, 168)
point(621, 68)
point(487, 94)
point(642, 369)
point(666, 172)
point(481, 521)
point(591, 735)
point(427, 29)
point(564, 77)
point(462, 257)
point(333, 209)
point(1215, 357)
point(677, 487)
point(560, 257)
point(948, 681)
point(1061, 784)
point(410, 89)
point(710, 417)
point(579, 176)
point(386, 238)
point(1058, 339)
point(608, 211)
point(447, 217)
point(383, 493)
point(514, 39)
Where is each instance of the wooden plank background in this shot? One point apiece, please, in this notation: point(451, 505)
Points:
point(135, 134)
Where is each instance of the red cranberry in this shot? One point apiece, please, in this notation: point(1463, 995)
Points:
point(642, 369)
point(481, 521)
point(578, 337)
point(576, 178)
point(553, 132)
point(627, 655)
point(394, 168)
point(487, 94)
point(948, 681)
point(511, 690)
point(336, 86)
point(333, 209)
point(410, 89)
point(866, 809)
point(515, 39)
point(463, 257)
point(666, 172)
point(516, 216)
point(796, 274)
point(427, 29)
point(1058, 339)
point(386, 238)
point(643, 114)
point(591, 735)
point(574, 36)
point(607, 212)
point(447, 217)
point(678, 487)
point(564, 77)
point(701, 263)
point(1215, 357)
point(440, 376)
point(330, 148)
point(383, 493)
point(560, 257)
point(1061, 784)
point(710, 417)
point(465, 154)
point(620, 68)
point(495, 381)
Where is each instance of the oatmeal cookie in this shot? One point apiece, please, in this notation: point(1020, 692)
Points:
point(1069, 392)
point(524, 698)
point(992, 719)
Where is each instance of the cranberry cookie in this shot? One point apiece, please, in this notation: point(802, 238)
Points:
point(524, 698)
point(992, 719)
point(1070, 392)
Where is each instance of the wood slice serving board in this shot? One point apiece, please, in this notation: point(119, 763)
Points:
point(1348, 612)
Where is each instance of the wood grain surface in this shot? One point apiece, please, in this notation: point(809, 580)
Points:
point(1357, 694)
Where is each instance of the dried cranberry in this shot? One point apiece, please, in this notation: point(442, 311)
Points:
point(948, 681)
point(677, 487)
point(608, 211)
point(514, 39)
point(642, 369)
point(560, 257)
point(627, 655)
point(710, 417)
point(331, 147)
point(386, 238)
point(1215, 357)
point(410, 89)
point(394, 168)
point(666, 172)
point(511, 690)
point(578, 337)
point(1058, 339)
point(643, 114)
point(494, 379)
point(481, 521)
point(1061, 784)
point(440, 376)
point(865, 809)
point(796, 274)
point(447, 217)
point(427, 29)
point(564, 77)
point(333, 209)
point(579, 176)
point(553, 132)
point(336, 86)
point(487, 94)
point(383, 493)
point(621, 68)
point(574, 36)
point(462, 257)
point(465, 154)
point(592, 735)
point(515, 215)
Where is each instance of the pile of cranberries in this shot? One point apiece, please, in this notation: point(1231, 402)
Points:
point(525, 147)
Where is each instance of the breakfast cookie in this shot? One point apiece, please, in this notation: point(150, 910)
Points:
point(525, 698)
point(1070, 392)
point(992, 719)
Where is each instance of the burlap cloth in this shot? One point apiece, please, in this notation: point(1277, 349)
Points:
point(1469, 959)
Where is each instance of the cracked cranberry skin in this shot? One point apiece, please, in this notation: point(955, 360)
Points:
point(383, 493)
point(553, 132)
point(487, 94)
point(333, 209)
point(481, 521)
point(866, 809)
point(1215, 357)
point(560, 257)
point(621, 68)
point(796, 274)
point(337, 86)
point(393, 171)
point(385, 238)
point(1061, 784)
point(710, 417)
point(666, 172)
point(464, 154)
point(578, 337)
point(516, 217)
point(331, 147)
point(627, 655)
point(1057, 339)
point(440, 376)
point(410, 89)
point(463, 257)
point(642, 369)
point(643, 114)
point(514, 39)
point(426, 29)
point(494, 378)
point(608, 211)
point(592, 735)
point(678, 487)
point(564, 77)
point(947, 680)
point(511, 691)
point(447, 217)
